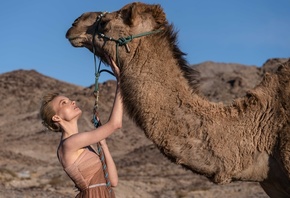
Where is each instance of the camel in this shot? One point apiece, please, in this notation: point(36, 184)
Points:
point(248, 140)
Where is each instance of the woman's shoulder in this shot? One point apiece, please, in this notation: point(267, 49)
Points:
point(67, 157)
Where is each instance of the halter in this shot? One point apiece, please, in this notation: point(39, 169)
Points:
point(122, 41)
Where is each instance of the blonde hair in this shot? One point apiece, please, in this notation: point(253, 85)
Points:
point(47, 112)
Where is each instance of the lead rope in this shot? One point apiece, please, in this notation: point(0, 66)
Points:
point(97, 122)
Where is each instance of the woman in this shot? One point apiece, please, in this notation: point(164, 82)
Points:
point(79, 160)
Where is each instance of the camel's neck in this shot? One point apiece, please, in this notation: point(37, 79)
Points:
point(187, 128)
point(160, 100)
point(154, 86)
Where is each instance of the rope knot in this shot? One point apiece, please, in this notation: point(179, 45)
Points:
point(123, 41)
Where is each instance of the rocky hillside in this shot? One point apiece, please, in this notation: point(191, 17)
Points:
point(28, 163)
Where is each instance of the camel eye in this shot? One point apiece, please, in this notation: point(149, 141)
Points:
point(103, 23)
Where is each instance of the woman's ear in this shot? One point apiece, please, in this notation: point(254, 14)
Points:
point(56, 118)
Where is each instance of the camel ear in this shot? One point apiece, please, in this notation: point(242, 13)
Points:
point(134, 12)
point(158, 14)
point(128, 13)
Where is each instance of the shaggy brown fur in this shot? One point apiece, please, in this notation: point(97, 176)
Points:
point(248, 140)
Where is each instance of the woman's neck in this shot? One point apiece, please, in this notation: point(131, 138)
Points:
point(69, 128)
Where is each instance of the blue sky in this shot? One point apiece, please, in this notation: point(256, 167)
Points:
point(32, 33)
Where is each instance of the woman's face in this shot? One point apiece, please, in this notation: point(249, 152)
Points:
point(65, 108)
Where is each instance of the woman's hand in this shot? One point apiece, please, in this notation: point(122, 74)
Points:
point(114, 67)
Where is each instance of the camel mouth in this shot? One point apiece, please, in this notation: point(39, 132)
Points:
point(76, 41)
point(72, 39)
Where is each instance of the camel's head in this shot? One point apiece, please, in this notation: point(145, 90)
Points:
point(102, 32)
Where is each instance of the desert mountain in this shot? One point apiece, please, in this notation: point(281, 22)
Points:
point(28, 163)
